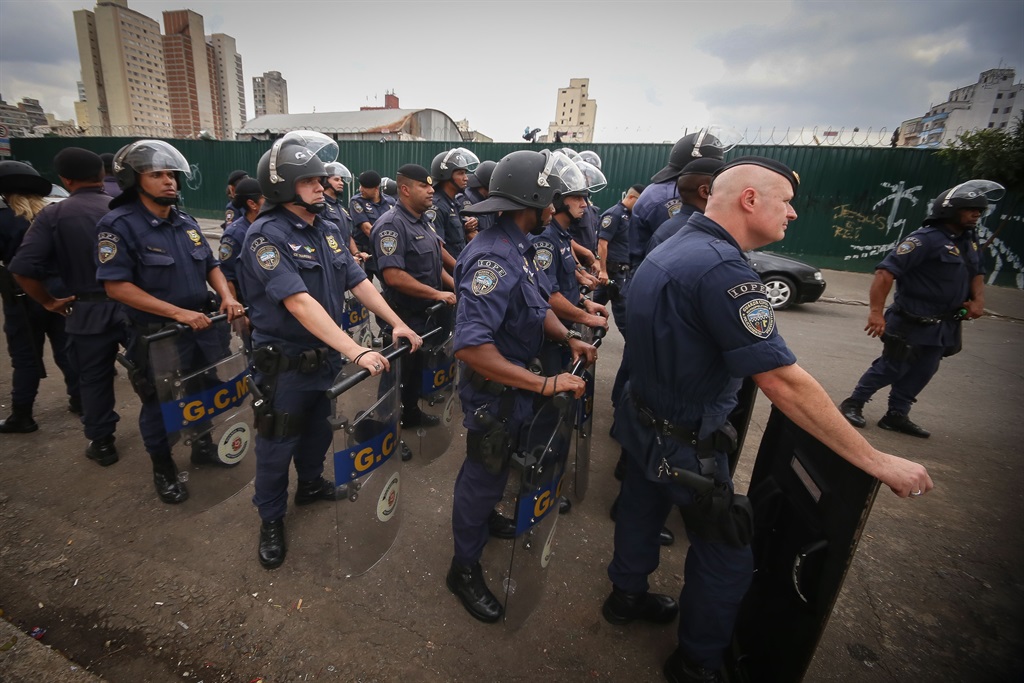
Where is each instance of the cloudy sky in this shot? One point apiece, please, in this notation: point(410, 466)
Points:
point(655, 68)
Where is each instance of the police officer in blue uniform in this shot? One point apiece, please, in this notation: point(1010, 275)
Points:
point(155, 260)
point(27, 325)
point(389, 190)
point(294, 272)
point(408, 253)
point(501, 321)
point(336, 212)
point(230, 210)
point(450, 171)
point(364, 209)
point(63, 239)
point(694, 188)
point(939, 281)
point(476, 191)
point(698, 324)
point(660, 200)
point(613, 254)
point(248, 201)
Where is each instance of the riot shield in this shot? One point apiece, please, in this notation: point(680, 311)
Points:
point(438, 388)
point(202, 383)
point(740, 419)
point(810, 507)
point(538, 472)
point(367, 430)
point(357, 321)
point(579, 465)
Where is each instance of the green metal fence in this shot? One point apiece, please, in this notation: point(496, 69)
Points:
point(853, 203)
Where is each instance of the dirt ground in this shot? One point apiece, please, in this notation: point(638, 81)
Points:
point(132, 590)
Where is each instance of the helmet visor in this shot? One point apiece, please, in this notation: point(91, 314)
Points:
point(591, 157)
point(978, 194)
point(711, 139)
point(460, 158)
point(336, 168)
point(152, 155)
point(561, 173)
point(319, 144)
point(594, 177)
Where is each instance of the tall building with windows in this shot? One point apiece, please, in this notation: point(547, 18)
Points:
point(994, 102)
point(189, 87)
point(226, 64)
point(270, 93)
point(121, 54)
point(575, 114)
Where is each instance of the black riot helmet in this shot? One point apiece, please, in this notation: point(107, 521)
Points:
point(336, 168)
point(296, 156)
point(145, 156)
point(529, 180)
point(711, 142)
point(973, 194)
point(591, 158)
point(481, 177)
point(389, 186)
point(455, 159)
point(17, 177)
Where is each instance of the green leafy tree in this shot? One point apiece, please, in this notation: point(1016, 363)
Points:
point(991, 154)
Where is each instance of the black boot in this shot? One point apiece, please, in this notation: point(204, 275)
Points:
point(312, 491)
point(20, 421)
point(468, 585)
point(620, 467)
point(204, 453)
point(666, 537)
point(75, 405)
point(852, 411)
point(404, 450)
point(272, 544)
point(679, 669)
point(895, 422)
point(622, 607)
point(102, 450)
point(500, 526)
point(417, 418)
point(165, 478)
point(564, 505)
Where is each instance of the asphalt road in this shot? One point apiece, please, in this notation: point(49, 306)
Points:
point(132, 589)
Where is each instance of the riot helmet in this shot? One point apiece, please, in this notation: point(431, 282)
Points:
point(389, 186)
point(336, 168)
point(446, 163)
point(593, 175)
point(571, 153)
point(481, 177)
point(17, 177)
point(296, 156)
point(591, 158)
point(145, 156)
point(712, 142)
point(973, 194)
point(529, 180)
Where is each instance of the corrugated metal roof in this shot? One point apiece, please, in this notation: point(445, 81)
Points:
point(366, 121)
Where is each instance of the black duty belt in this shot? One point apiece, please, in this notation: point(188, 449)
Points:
point(925, 320)
point(717, 441)
point(308, 361)
point(615, 267)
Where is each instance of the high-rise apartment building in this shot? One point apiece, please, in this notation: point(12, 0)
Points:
point(121, 54)
point(188, 69)
point(226, 65)
point(270, 93)
point(575, 114)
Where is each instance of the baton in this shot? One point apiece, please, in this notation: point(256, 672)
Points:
point(394, 351)
point(175, 329)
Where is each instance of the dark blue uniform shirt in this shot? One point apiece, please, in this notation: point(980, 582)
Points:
point(584, 230)
point(670, 227)
point(447, 223)
point(282, 255)
point(555, 259)
point(468, 198)
point(400, 240)
point(933, 270)
point(657, 203)
point(63, 240)
point(698, 323)
point(502, 300)
point(362, 210)
point(614, 228)
point(231, 247)
point(167, 258)
point(338, 214)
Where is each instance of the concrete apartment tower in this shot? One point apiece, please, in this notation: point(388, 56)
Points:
point(121, 54)
point(230, 84)
point(270, 93)
point(188, 69)
point(575, 114)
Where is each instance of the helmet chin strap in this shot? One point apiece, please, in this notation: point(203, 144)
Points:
point(312, 208)
point(161, 201)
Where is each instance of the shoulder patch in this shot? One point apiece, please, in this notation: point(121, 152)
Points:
point(358, 208)
point(430, 215)
point(491, 265)
point(908, 245)
point(606, 221)
point(388, 241)
point(225, 251)
point(673, 207)
point(268, 257)
point(484, 281)
point(747, 288)
point(758, 318)
point(229, 216)
point(544, 256)
point(107, 248)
